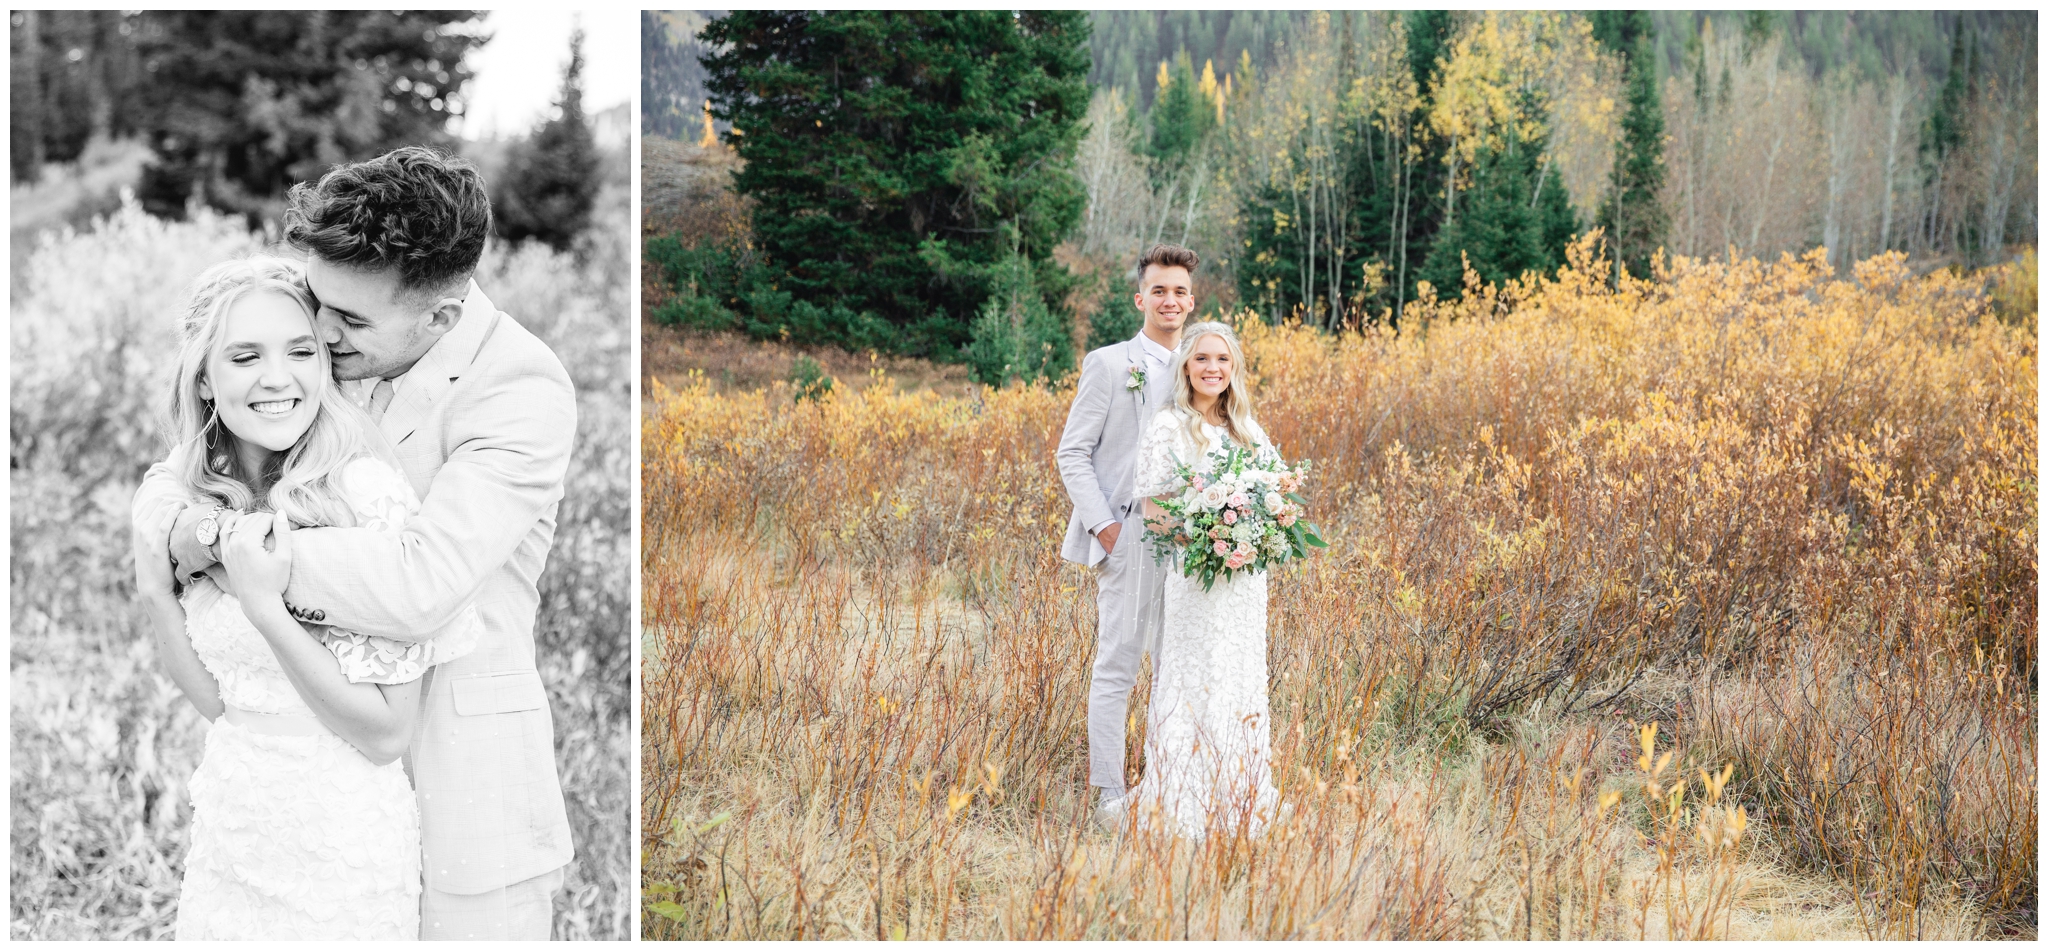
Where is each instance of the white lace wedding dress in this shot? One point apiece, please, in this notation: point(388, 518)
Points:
point(1208, 739)
point(301, 836)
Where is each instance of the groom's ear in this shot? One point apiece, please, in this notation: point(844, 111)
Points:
point(443, 317)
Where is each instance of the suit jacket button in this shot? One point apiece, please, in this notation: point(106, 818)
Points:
point(319, 615)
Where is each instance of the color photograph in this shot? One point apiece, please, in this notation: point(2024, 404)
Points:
point(1361, 475)
point(321, 482)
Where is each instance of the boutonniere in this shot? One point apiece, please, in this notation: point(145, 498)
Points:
point(1136, 381)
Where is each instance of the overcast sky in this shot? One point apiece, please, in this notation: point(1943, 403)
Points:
point(518, 72)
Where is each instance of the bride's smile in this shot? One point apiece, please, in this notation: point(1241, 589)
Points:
point(1209, 367)
point(265, 379)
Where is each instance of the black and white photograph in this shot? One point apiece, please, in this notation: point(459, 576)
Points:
point(321, 472)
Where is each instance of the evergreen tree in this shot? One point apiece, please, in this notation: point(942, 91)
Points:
point(1017, 337)
point(551, 178)
point(1429, 42)
point(1508, 222)
point(238, 105)
point(1558, 220)
point(1181, 117)
point(895, 159)
point(1633, 212)
point(1421, 192)
point(74, 75)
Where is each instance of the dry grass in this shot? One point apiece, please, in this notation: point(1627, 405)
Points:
point(1784, 517)
point(728, 361)
point(687, 189)
point(102, 742)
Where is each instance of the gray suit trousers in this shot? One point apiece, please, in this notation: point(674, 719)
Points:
point(1127, 595)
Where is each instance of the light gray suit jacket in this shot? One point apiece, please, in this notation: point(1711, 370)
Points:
point(1099, 447)
point(483, 426)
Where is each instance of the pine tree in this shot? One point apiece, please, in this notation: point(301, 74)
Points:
point(1181, 116)
point(551, 178)
point(239, 105)
point(895, 159)
point(1016, 336)
point(1424, 178)
point(1633, 212)
point(1508, 222)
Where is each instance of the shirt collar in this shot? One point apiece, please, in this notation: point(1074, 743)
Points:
point(1153, 349)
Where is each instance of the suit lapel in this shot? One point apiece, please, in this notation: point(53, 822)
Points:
point(429, 379)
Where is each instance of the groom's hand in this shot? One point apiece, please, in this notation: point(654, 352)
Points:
point(1108, 537)
point(258, 573)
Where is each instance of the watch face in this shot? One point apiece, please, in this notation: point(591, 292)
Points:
point(209, 530)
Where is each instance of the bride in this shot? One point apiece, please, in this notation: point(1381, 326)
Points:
point(1208, 740)
point(304, 823)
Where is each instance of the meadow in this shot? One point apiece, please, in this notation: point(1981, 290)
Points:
point(102, 742)
point(1702, 606)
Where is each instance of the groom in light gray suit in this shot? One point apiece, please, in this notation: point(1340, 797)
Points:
point(1122, 386)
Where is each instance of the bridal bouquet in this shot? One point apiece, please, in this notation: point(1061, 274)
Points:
point(1243, 515)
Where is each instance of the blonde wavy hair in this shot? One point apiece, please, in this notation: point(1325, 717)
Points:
point(304, 482)
point(1235, 400)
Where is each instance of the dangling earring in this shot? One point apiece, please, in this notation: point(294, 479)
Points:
point(216, 462)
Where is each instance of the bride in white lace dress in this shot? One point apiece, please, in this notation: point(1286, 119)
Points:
point(1208, 740)
point(304, 823)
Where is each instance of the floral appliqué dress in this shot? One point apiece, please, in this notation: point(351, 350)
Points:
point(301, 836)
point(1208, 736)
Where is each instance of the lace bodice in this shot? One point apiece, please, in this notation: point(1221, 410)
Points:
point(243, 663)
point(1167, 444)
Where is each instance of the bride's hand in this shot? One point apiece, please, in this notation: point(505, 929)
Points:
point(152, 540)
point(258, 573)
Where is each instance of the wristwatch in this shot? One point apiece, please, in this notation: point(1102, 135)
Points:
point(209, 529)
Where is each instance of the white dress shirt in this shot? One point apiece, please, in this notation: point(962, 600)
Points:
point(1157, 359)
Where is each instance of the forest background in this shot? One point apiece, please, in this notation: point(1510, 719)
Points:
point(147, 146)
point(1326, 165)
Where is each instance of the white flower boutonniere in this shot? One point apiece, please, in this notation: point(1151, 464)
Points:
point(1136, 381)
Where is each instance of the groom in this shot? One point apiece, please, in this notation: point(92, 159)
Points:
point(481, 415)
point(1122, 386)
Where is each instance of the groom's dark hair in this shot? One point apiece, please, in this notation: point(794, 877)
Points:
point(1167, 255)
point(416, 209)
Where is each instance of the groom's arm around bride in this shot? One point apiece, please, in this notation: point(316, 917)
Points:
point(482, 416)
